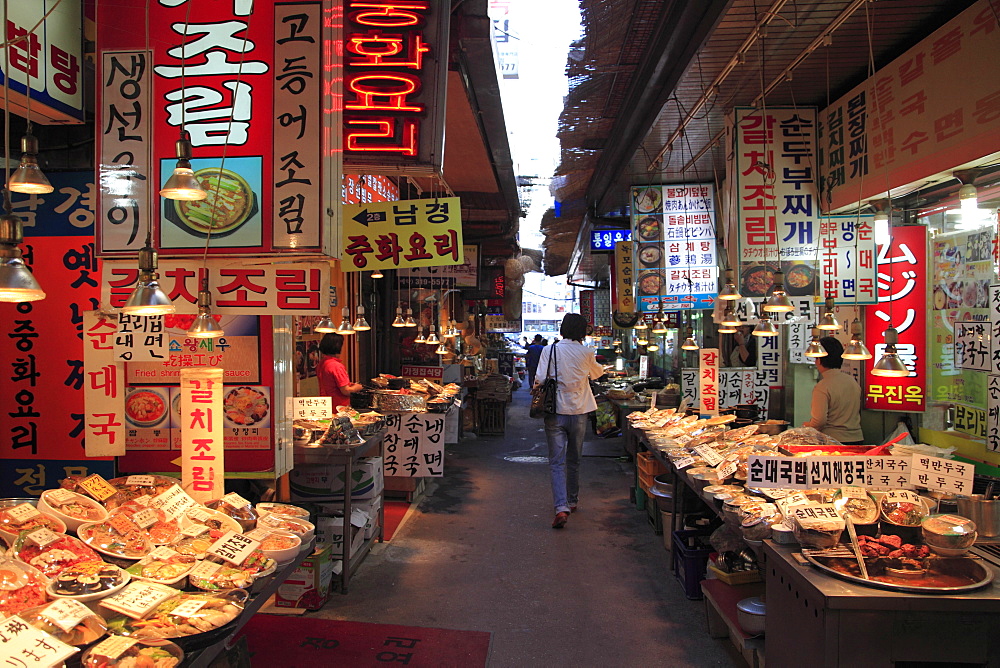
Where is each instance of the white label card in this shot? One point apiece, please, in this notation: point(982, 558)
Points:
point(258, 534)
point(901, 496)
point(853, 492)
point(146, 518)
point(234, 500)
point(162, 553)
point(652, 400)
point(200, 514)
point(956, 520)
point(22, 513)
point(113, 647)
point(20, 639)
point(234, 547)
point(66, 613)
point(138, 599)
point(194, 530)
point(815, 515)
point(141, 480)
point(60, 497)
point(683, 463)
point(726, 469)
point(205, 570)
point(144, 500)
point(189, 608)
point(709, 454)
point(174, 502)
point(43, 537)
point(796, 499)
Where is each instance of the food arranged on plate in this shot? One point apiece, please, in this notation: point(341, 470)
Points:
point(647, 200)
point(21, 587)
point(212, 611)
point(651, 255)
point(757, 280)
point(650, 282)
point(69, 621)
point(145, 407)
point(57, 551)
point(147, 653)
point(119, 540)
point(245, 406)
point(87, 578)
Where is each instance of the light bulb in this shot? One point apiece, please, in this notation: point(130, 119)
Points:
point(361, 325)
point(642, 340)
point(441, 350)
point(815, 349)
point(652, 347)
point(729, 291)
point(828, 321)
point(689, 344)
point(345, 328)
point(779, 301)
point(182, 185)
point(856, 348)
point(17, 282)
point(399, 322)
point(409, 322)
point(765, 328)
point(726, 329)
point(432, 340)
point(325, 326)
point(881, 228)
point(641, 324)
point(377, 274)
point(419, 338)
point(205, 326)
point(730, 319)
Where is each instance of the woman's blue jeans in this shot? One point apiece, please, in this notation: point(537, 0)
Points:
point(564, 434)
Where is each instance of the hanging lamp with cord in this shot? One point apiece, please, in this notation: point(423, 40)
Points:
point(205, 326)
point(729, 291)
point(815, 348)
point(856, 348)
point(28, 178)
point(890, 365)
point(325, 326)
point(640, 323)
point(779, 301)
point(399, 322)
point(360, 324)
point(377, 274)
point(345, 327)
point(653, 346)
point(689, 342)
point(419, 338)
point(828, 321)
point(642, 340)
point(765, 327)
point(730, 319)
point(659, 323)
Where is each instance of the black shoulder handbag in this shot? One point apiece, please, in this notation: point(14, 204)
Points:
point(543, 396)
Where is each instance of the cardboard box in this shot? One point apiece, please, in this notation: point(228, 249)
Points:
point(308, 587)
point(330, 532)
point(325, 482)
point(369, 508)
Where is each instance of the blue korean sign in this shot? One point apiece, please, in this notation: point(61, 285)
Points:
point(605, 240)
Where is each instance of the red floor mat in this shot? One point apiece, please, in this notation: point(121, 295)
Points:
point(395, 511)
point(306, 642)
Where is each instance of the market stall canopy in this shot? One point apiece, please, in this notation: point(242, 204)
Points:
point(651, 83)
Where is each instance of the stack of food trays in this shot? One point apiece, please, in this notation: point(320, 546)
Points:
point(77, 562)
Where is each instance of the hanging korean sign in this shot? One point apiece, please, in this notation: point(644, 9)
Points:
point(50, 59)
point(736, 386)
point(414, 445)
point(103, 389)
point(902, 296)
point(708, 380)
point(846, 261)
point(202, 455)
point(918, 116)
point(252, 101)
point(777, 198)
point(407, 233)
point(624, 277)
point(237, 286)
point(465, 275)
point(673, 228)
point(394, 84)
point(605, 240)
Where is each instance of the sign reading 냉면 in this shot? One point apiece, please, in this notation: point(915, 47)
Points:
point(414, 445)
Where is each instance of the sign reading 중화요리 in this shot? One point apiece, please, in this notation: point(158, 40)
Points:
point(407, 233)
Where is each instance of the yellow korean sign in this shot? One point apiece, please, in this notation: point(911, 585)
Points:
point(624, 278)
point(406, 233)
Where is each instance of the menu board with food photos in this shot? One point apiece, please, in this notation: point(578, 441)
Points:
point(674, 239)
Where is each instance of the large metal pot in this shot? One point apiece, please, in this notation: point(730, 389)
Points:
point(750, 614)
point(984, 512)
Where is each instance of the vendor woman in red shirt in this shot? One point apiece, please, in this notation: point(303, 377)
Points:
point(332, 374)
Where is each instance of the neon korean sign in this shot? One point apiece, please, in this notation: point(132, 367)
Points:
point(395, 64)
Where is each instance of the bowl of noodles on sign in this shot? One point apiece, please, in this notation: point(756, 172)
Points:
point(230, 203)
point(245, 406)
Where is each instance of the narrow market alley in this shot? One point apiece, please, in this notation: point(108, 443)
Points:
point(478, 553)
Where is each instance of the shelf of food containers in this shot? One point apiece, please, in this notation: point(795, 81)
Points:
point(133, 571)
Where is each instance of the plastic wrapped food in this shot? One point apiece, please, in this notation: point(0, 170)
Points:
point(88, 579)
point(165, 567)
point(25, 517)
point(71, 507)
point(950, 532)
point(120, 652)
point(818, 533)
point(202, 612)
point(228, 576)
point(62, 552)
point(758, 519)
point(152, 521)
point(197, 545)
point(106, 539)
point(237, 508)
point(212, 519)
point(856, 503)
point(304, 530)
point(804, 436)
point(902, 507)
point(281, 509)
point(69, 621)
point(21, 587)
point(133, 486)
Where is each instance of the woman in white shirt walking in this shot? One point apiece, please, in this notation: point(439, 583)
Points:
point(573, 365)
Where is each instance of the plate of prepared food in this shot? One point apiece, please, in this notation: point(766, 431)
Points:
point(757, 280)
point(650, 282)
point(651, 255)
point(146, 407)
point(800, 279)
point(647, 200)
point(649, 228)
point(245, 406)
point(231, 202)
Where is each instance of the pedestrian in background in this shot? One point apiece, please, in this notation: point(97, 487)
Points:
point(531, 358)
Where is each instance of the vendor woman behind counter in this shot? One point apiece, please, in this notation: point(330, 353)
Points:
point(332, 374)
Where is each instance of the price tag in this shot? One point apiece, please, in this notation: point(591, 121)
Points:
point(121, 523)
point(200, 514)
point(144, 500)
point(140, 480)
point(162, 553)
point(309, 408)
point(768, 509)
point(205, 570)
point(652, 400)
point(726, 469)
point(259, 534)
point(194, 530)
point(816, 515)
point(189, 608)
point(683, 463)
point(98, 487)
point(956, 520)
point(853, 492)
point(659, 424)
point(66, 613)
point(901, 496)
point(234, 547)
point(113, 647)
point(60, 497)
point(234, 500)
point(174, 502)
point(20, 639)
point(43, 537)
point(146, 518)
point(22, 513)
point(138, 599)
point(796, 499)
point(709, 454)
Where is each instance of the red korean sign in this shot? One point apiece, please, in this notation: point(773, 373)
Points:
point(360, 189)
point(708, 380)
point(902, 297)
point(251, 102)
point(203, 463)
point(395, 74)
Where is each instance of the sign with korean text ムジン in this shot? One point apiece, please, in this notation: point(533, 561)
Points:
point(622, 286)
point(103, 388)
point(918, 116)
point(708, 380)
point(407, 233)
point(902, 303)
point(202, 454)
point(237, 286)
point(395, 62)
point(414, 445)
point(776, 198)
point(48, 60)
point(252, 102)
point(673, 231)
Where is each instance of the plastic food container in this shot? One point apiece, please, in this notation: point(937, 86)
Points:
point(948, 535)
point(246, 516)
point(217, 610)
point(903, 508)
point(304, 530)
point(858, 504)
point(26, 516)
point(21, 587)
point(257, 565)
point(69, 621)
point(212, 519)
point(150, 653)
point(281, 509)
point(151, 521)
point(63, 552)
point(163, 570)
point(88, 581)
point(133, 486)
point(105, 539)
point(71, 507)
point(282, 546)
point(817, 533)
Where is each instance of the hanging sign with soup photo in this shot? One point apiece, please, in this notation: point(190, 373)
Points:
point(146, 417)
